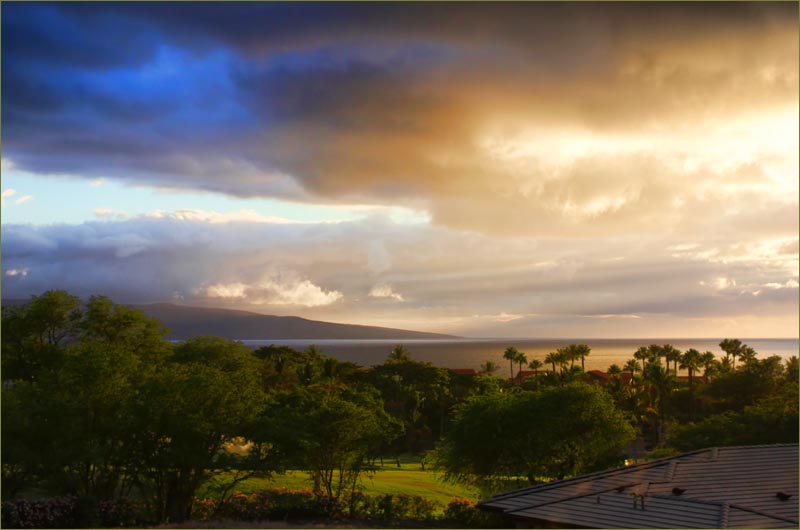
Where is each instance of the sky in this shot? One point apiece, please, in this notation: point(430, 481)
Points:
point(574, 170)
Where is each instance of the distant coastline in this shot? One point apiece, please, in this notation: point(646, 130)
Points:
point(471, 353)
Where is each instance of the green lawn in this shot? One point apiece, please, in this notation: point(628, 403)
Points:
point(408, 478)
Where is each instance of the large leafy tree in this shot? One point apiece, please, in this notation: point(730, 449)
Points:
point(71, 422)
point(207, 396)
point(33, 334)
point(416, 393)
point(538, 435)
point(330, 431)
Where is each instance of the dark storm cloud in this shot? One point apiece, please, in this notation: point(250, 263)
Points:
point(383, 102)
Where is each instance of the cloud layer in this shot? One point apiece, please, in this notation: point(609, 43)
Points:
point(537, 119)
point(425, 277)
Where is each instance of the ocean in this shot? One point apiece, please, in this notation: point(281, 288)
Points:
point(471, 353)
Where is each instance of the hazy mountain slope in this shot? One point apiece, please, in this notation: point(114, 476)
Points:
point(186, 321)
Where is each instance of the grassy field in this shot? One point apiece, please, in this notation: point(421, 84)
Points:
point(409, 478)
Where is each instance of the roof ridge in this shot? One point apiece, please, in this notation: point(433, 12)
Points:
point(580, 496)
point(765, 514)
point(609, 472)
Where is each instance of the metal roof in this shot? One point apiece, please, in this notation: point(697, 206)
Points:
point(720, 487)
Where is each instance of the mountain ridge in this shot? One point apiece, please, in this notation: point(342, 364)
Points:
point(184, 321)
point(188, 321)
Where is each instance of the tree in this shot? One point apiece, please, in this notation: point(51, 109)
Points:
point(753, 381)
point(33, 334)
point(511, 355)
point(80, 425)
point(563, 356)
point(659, 384)
point(493, 437)
point(399, 354)
point(710, 365)
point(520, 359)
point(329, 432)
point(488, 368)
point(190, 412)
point(747, 354)
point(535, 365)
point(414, 393)
point(552, 358)
point(643, 354)
point(575, 351)
point(632, 366)
point(691, 360)
point(672, 354)
point(771, 420)
point(732, 349)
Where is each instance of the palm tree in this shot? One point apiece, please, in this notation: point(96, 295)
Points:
point(732, 348)
point(510, 355)
point(642, 354)
point(660, 384)
point(534, 365)
point(632, 366)
point(399, 354)
point(691, 360)
point(570, 354)
point(552, 358)
point(725, 365)
point(562, 358)
point(613, 375)
point(747, 354)
point(709, 365)
point(582, 351)
point(489, 367)
point(671, 353)
point(520, 359)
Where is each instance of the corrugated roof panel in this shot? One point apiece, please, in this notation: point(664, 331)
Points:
point(746, 519)
point(619, 512)
point(747, 478)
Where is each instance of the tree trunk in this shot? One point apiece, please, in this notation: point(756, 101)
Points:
point(178, 500)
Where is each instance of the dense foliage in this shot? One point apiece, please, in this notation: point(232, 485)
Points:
point(105, 423)
point(535, 435)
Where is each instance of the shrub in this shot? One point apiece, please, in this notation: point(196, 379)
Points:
point(269, 504)
point(120, 513)
point(460, 511)
point(463, 513)
point(60, 512)
point(392, 508)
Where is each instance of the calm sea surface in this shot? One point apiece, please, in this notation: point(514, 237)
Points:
point(471, 353)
